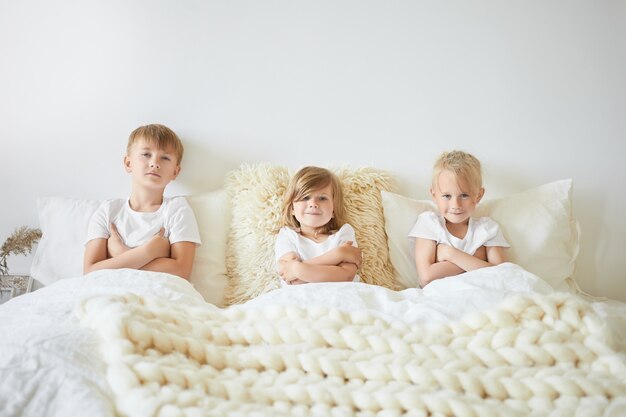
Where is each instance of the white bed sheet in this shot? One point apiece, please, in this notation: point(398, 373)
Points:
point(50, 366)
point(441, 301)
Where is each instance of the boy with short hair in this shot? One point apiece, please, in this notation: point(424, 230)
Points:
point(146, 231)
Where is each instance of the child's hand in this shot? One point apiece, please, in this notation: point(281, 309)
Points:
point(444, 252)
point(159, 245)
point(115, 244)
point(350, 254)
point(287, 268)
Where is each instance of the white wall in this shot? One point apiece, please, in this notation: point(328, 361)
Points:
point(535, 89)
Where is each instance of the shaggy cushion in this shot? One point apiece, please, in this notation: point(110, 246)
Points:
point(257, 191)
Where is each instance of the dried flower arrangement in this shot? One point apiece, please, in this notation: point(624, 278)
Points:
point(19, 243)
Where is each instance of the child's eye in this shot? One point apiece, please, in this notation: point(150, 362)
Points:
point(465, 196)
point(323, 198)
point(167, 158)
point(146, 154)
point(446, 196)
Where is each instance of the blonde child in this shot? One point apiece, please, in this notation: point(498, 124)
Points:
point(146, 231)
point(315, 244)
point(451, 241)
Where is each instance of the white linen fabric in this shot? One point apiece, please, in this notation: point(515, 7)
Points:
point(531, 355)
point(481, 231)
point(288, 240)
point(441, 301)
point(52, 366)
point(136, 228)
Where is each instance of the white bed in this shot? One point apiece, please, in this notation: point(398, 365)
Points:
point(498, 341)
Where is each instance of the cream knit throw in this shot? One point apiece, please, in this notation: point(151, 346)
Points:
point(531, 355)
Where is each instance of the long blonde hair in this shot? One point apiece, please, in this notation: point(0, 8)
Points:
point(463, 166)
point(303, 183)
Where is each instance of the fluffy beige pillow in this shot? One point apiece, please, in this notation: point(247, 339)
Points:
point(256, 192)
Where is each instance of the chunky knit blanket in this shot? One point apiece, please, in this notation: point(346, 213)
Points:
point(531, 355)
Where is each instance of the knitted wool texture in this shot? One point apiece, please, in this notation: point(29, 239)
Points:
point(257, 191)
point(532, 355)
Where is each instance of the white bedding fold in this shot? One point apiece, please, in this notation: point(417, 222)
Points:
point(51, 366)
point(440, 301)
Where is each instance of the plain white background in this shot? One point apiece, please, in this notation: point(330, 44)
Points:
point(535, 89)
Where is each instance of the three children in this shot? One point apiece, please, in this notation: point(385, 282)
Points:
point(315, 244)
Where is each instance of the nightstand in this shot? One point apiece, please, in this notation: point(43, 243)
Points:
point(14, 285)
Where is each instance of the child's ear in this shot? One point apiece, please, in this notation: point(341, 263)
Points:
point(481, 193)
point(176, 172)
point(432, 193)
point(127, 164)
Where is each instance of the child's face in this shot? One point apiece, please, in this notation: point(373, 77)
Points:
point(314, 210)
point(150, 166)
point(454, 200)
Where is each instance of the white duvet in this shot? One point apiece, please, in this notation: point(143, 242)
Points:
point(51, 366)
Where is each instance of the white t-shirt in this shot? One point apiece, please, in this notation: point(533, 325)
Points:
point(136, 228)
point(288, 240)
point(481, 231)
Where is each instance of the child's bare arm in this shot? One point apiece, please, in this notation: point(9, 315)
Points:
point(428, 268)
point(95, 253)
point(179, 262)
point(115, 244)
point(494, 255)
point(293, 270)
point(338, 264)
point(344, 253)
point(325, 273)
point(287, 268)
point(97, 257)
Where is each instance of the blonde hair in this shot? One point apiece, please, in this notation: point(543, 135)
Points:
point(158, 135)
point(303, 183)
point(464, 167)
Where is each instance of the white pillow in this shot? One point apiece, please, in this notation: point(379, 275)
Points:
point(400, 215)
point(64, 221)
point(537, 223)
point(213, 213)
